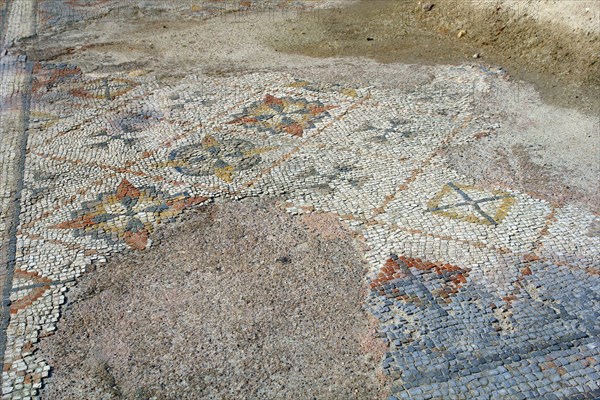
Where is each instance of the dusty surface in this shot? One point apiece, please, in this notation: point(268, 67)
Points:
point(528, 41)
point(576, 15)
point(551, 153)
point(248, 304)
point(542, 147)
point(289, 323)
point(548, 141)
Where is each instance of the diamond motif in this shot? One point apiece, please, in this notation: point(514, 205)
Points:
point(458, 202)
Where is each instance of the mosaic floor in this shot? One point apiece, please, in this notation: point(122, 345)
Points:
point(481, 293)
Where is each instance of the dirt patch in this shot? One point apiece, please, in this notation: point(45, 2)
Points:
point(326, 225)
point(238, 302)
point(165, 44)
point(514, 167)
point(547, 144)
point(559, 60)
point(563, 63)
point(539, 149)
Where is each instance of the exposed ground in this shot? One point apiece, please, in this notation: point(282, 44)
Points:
point(534, 41)
point(249, 303)
point(552, 100)
point(243, 301)
point(549, 149)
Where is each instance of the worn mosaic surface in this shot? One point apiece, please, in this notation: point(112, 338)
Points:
point(481, 293)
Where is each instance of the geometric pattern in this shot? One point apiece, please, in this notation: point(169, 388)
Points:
point(128, 214)
point(48, 76)
point(223, 158)
point(489, 210)
point(104, 88)
point(282, 115)
point(43, 120)
point(107, 137)
point(306, 85)
point(35, 286)
point(389, 281)
point(435, 348)
point(472, 302)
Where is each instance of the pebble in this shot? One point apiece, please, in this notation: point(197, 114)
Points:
point(427, 6)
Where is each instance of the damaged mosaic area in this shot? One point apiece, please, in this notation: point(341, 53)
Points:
point(479, 292)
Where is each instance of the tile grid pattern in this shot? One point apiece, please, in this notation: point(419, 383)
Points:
point(481, 293)
point(15, 80)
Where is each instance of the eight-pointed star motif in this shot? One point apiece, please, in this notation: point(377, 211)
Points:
point(128, 214)
point(282, 115)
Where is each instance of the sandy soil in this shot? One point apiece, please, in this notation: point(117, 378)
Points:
point(249, 304)
point(549, 152)
point(535, 43)
point(116, 326)
point(548, 142)
point(575, 15)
